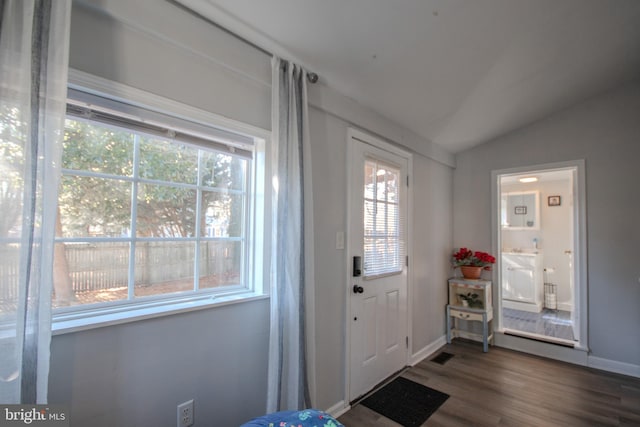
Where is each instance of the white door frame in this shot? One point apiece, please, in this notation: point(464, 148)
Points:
point(579, 353)
point(353, 133)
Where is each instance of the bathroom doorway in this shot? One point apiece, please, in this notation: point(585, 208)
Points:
point(538, 222)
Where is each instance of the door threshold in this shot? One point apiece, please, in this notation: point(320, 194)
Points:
point(541, 338)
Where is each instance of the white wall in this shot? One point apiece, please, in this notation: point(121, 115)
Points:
point(135, 374)
point(605, 132)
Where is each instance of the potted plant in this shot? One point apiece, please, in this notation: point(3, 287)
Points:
point(470, 300)
point(472, 263)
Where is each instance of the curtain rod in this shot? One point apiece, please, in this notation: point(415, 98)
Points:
point(312, 77)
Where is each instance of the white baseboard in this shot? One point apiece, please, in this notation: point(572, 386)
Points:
point(565, 306)
point(576, 356)
point(428, 350)
point(614, 366)
point(338, 409)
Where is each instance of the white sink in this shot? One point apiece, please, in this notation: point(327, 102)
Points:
point(523, 251)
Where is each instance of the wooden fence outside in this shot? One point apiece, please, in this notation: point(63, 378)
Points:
point(96, 266)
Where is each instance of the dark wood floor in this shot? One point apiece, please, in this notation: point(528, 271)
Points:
point(507, 388)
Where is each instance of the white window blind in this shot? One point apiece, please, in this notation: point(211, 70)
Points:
point(384, 246)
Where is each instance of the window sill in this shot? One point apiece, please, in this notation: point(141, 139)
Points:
point(65, 323)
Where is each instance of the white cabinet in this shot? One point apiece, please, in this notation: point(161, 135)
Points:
point(522, 281)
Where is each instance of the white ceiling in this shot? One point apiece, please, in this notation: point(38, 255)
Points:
point(457, 72)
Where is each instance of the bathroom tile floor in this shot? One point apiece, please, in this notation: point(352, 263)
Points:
point(550, 323)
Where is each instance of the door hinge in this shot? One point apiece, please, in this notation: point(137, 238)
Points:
point(407, 180)
point(406, 261)
point(407, 342)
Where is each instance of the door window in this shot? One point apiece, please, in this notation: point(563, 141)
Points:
point(383, 222)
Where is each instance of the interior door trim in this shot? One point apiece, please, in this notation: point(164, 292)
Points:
point(579, 247)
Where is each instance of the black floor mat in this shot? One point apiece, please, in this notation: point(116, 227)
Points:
point(405, 402)
point(442, 358)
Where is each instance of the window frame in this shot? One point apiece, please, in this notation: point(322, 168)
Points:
point(98, 93)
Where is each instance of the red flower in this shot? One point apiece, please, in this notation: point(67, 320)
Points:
point(465, 256)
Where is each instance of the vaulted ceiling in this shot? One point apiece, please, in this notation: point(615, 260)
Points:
point(457, 72)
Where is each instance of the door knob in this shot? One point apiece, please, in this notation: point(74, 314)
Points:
point(358, 289)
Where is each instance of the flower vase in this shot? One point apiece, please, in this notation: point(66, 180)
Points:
point(471, 272)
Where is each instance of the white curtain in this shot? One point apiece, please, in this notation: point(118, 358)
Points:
point(34, 50)
point(291, 378)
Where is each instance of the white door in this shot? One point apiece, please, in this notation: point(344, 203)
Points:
point(378, 291)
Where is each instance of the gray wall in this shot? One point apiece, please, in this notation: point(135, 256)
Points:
point(605, 132)
point(158, 47)
point(432, 237)
point(135, 374)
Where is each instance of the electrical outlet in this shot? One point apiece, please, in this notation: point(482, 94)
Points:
point(185, 414)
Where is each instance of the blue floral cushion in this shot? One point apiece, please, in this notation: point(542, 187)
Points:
point(306, 418)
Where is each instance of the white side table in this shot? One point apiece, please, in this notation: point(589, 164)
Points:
point(480, 311)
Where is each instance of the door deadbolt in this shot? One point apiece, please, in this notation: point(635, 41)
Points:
point(357, 266)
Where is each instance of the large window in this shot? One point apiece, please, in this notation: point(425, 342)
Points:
point(152, 207)
point(154, 210)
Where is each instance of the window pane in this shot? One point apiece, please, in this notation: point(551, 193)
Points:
point(369, 179)
point(9, 271)
point(168, 161)
point(223, 214)
point(388, 185)
point(12, 145)
point(223, 171)
point(96, 207)
point(165, 211)
point(164, 267)
point(382, 255)
point(96, 148)
point(86, 273)
point(369, 217)
point(220, 263)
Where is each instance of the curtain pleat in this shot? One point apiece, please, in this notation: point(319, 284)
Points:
point(34, 50)
point(291, 375)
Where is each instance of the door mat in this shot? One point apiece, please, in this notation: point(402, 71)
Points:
point(442, 358)
point(405, 402)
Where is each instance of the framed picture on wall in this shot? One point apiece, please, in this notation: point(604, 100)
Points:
point(553, 201)
point(520, 210)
